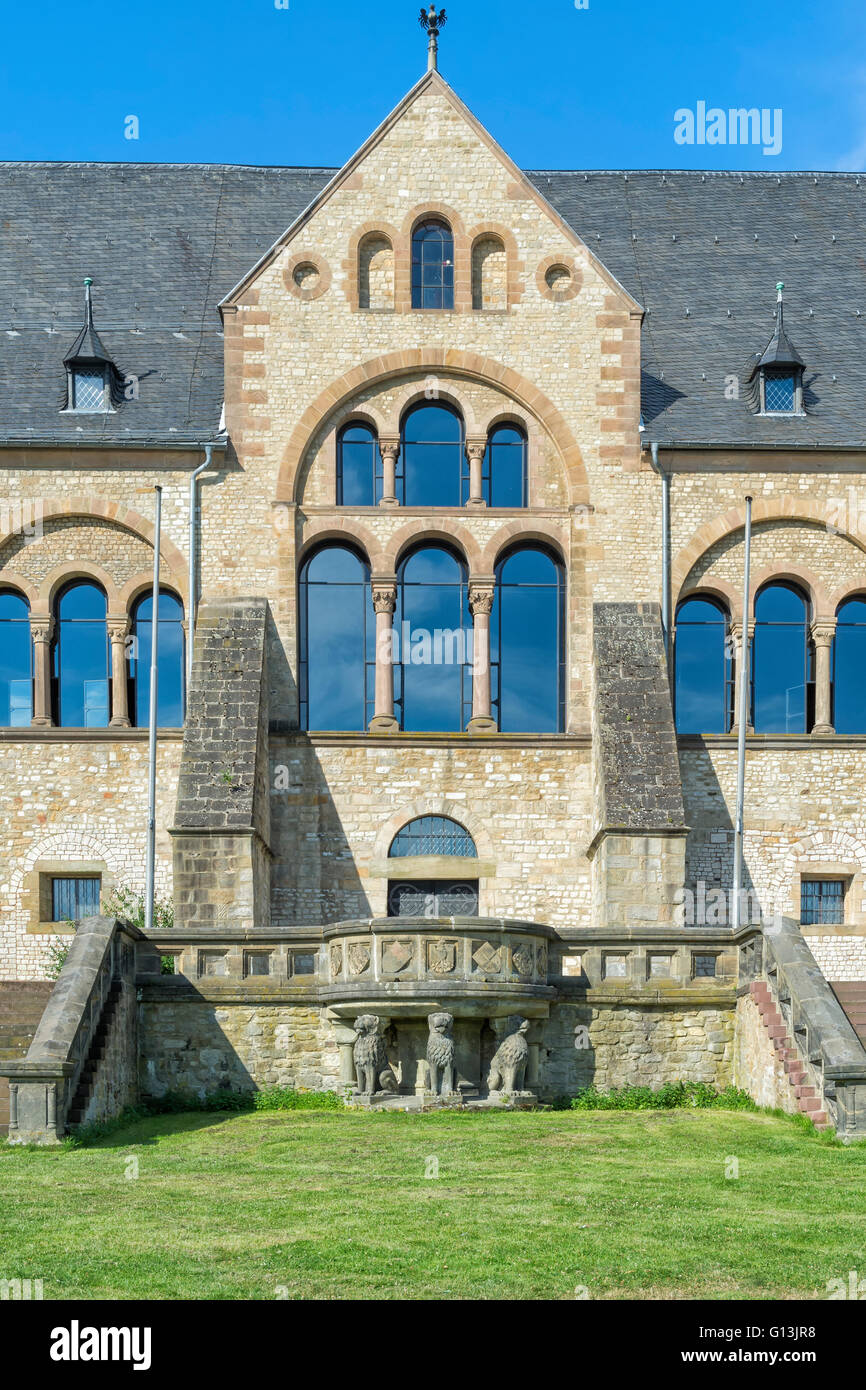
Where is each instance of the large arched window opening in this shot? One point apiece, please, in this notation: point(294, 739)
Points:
point(337, 641)
point(704, 688)
point(504, 475)
point(359, 467)
point(527, 643)
point(441, 856)
point(433, 265)
point(81, 658)
point(782, 680)
point(433, 691)
point(432, 457)
point(16, 661)
point(849, 667)
point(170, 661)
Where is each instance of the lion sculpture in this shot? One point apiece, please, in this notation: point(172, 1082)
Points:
point(440, 1054)
point(508, 1068)
point(371, 1060)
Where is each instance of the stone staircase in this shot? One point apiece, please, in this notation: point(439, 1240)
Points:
point(78, 1108)
point(22, 1004)
point(806, 1097)
point(852, 997)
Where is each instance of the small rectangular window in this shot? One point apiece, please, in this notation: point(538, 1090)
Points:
point(88, 391)
point(213, 963)
point(822, 902)
point(780, 392)
point(72, 898)
point(661, 967)
point(705, 967)
point(615, 967)
point(303, 963)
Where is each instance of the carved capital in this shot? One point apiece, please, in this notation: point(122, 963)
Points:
point(823, 631)
point(481, 598)
point(384, 598)
point(41, 629)
point(476, 449)
point(389, 449)
point(118, 629)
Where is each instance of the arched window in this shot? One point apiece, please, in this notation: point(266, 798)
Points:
point(170, 661)
point(782, 691)
point(432, 457)
point(359, 467)
point(376, 272)
point(703, 668)
point(489, 274)
point(16, 661)
point(433, 681)
point(81, 658)
point(449, 891)
point(527, 643)
point(432, 265)
point(504, 473)
point(433, 835)
point(849, 668)
point(337, 641)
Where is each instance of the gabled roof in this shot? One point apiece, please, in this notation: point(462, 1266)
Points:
point(166, 243)
point(431, 81)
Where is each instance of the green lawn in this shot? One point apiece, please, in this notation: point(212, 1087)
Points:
point(336, 1206)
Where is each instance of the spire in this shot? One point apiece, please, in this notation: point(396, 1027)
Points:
point(433, 22)
point(87, 346)
point(780, 351)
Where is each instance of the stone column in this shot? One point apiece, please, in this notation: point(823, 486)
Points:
point(481, 595)
point(384, 603)
point(390, 451)
point(476, 448)
point(345, 1038)
point(118, 631)
point(41, 630)
point(735, 637)
point(823, 632)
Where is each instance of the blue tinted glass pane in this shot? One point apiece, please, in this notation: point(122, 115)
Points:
point(432, 267)
point(81, 659)
point(850, 676)
point(358, 463)
point(432, 623)
point(779, 604)
point(432, 424)
point(16, 690)
point(506, 466)
point(701, 669)
point(339, 629)
point(854, 611)
point(779, 659)
point(526, 643)
point(170, 657)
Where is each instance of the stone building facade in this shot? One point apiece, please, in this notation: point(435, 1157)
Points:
point(605, 320)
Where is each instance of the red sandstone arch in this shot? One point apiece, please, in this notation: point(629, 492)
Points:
point(764, 509)
point(104, 509)
point(459, 363)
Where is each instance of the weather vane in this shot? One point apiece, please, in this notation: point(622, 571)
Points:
point(433, 22)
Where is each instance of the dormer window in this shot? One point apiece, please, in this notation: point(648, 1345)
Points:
point(774, 378)
point(92, 380)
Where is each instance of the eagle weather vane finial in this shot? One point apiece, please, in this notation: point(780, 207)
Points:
point(433, 22)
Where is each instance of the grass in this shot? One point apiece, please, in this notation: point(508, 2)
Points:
point(322, 1205)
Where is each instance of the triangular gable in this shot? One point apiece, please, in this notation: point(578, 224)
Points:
point(435, 81)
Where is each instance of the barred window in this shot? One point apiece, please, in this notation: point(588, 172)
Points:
point(822, 902)
point(433, 835)
point(73, 898)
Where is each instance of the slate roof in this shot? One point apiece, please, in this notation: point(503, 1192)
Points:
point(702, 252)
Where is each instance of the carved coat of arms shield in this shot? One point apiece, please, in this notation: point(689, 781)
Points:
point(442, 957)
point(396, 955)
point(359, 958)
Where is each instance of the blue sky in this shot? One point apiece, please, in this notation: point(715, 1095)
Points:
point(243, 81)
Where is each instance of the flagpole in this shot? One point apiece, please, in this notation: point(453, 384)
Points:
point(741, 726)
point(150, 870)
